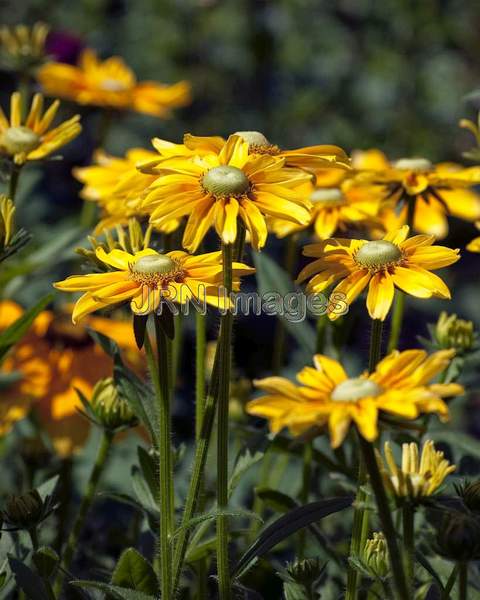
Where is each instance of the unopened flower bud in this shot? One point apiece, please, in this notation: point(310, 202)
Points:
point(7, 221)
point(24, 511)
point(110, 409)
point(375, 556)
point(458, 538)
point(306, 571)
point(452, 332)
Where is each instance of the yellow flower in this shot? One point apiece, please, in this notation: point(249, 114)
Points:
point(31, 139)
point(418, 476)
point(400, 385)
point(440, 190)
point(218, 188)
point(24, 46)
point(146, 278)
point(335, 208)
point(54, 359)
point(7, 221)
point(118, 187)
point(381, 265)
point(111, 84)
point(474, 245)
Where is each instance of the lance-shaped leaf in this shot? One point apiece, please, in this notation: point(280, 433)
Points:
point(134, 572)
point(293, 521)
point(117, 592)
point(28, 581)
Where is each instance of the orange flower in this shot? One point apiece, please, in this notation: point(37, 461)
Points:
point(54, 359)
point(111, 84)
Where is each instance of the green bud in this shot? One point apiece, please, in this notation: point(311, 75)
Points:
point(110, 410)
point(24, 511)
point(375, 556)
point(306, 571)
point(452, 332)
point(458, 538)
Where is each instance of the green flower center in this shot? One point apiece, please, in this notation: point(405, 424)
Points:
point(352, 390)
point(154, 264)
point(255, 138)
point(226, 181)
point(112, 85)
point(420, 165)
point(328, 197)
point(378, 253)
point(20, 139)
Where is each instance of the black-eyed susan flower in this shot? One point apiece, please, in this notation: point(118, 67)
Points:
point(51, 362)
point(217, 189)
point(110, 84)
point(420, 474)
point(147, 277)
point(32, 138)
point(400, 385)
point(118, 188)
point(335, 208)
point(309, 158)
point(382, 265)
point(439, 190)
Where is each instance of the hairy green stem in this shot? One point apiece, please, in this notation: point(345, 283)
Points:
point(160, 374)
point(408, 518)
point(13, 181)
point(223, 569)
point(305, 492)
point(200, 350)
point(398, 573)
point(450, 583)
point(72, 542)
point(375, 344)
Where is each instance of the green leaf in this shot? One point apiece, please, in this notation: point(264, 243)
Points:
point(134, 572)
point(47, 488)
point(118, 593)
point(213, 515)
point(286, 525)
point(244, 463)
point(19, 328)
point(272, 278)
point(29, 581)
point(143, 492)
point(278, 501)
point(149, 469)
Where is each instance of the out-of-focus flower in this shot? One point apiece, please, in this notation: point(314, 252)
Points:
point(53, 359)
point(375, 556)
point(217, 189)
point(111, 411)
point(32, 138)
point(22, 47)
point(400, 385)
point(110, 84)
point(118, 188)
point(474, 245)
point(419, 476)
point(335, 208)
point(452, 332)
point(439, 190)
point(473, 153)
point(381, 265)
point(24, 511)
point(458, 537)
point(146, 278)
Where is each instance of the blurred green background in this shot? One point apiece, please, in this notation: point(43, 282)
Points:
point(355, 72)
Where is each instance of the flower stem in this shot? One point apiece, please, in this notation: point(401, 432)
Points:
point(462, 580)
point(360, 524)
point(13, 181)
point(450, 583)
point(305, 492)
point(400, 583)
point(34, 538)
point(201, 343)
point(160, 375)
point(375, 344)
point(224, 586)
point(72, 543)
point(408, 514)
